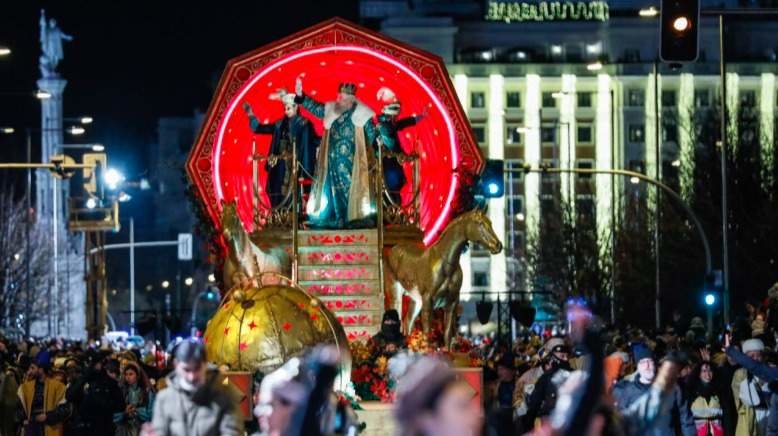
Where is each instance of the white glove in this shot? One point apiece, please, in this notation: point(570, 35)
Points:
point(298, 87)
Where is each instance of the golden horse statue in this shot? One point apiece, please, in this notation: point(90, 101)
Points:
point(431, 276)
point(245, 260)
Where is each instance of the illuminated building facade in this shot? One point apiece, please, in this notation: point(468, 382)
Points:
point(527, 74)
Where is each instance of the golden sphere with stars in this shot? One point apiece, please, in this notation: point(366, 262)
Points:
point(267, 326)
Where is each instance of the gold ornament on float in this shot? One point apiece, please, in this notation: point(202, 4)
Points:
point(267, 326)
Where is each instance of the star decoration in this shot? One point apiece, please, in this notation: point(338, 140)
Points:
point(226, 331)
point(243, 346)
point(287, 326)
point(253, 325)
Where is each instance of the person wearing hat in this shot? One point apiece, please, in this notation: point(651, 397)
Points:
point(389, 340)
point(39, 397)
point(628, 392)
point(341, 196)
point(505, 396)
point(195, 402)
point(765, 372)
point(543, 398)
point(292, 128)
point(432, 401)
point(389, 126)
point(751, 393)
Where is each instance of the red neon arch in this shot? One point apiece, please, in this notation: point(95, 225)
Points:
point(220, 166)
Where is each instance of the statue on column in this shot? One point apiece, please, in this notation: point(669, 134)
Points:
point(51, 46)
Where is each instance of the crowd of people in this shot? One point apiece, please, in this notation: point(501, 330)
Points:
point(593, 379)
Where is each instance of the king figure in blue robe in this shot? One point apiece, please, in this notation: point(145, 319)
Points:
point(343, 195)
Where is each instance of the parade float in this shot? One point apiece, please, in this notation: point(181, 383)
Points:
point(294, 269)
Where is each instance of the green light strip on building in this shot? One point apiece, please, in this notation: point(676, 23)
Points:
point(546, 11)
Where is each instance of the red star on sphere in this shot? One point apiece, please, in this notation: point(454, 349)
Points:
point(243, 346)
point(287, 326)
point(226, 331)
point(253, 325)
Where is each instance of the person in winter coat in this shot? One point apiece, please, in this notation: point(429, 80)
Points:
point(764, 372)
point(39, 397)
point(705, 403)
point(138, 397)
point(543, 398)
point(627, 392)
point(195, 402)
point(752, 396)
point(94, 399)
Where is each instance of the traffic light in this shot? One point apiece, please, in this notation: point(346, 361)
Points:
point(93, 177)
point(492, 183)
point(679, 30)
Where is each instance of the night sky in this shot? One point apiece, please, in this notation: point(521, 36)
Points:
point(132, 62)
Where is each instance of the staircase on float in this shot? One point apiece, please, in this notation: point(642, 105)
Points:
point(341, 268)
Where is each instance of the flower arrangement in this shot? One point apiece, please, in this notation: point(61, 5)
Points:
point(371, 374)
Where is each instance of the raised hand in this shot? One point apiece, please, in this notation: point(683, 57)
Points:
point(247, 109)
point(298, 87)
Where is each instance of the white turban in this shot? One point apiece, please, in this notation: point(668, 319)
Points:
point(753, 345)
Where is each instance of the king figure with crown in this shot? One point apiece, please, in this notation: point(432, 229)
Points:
point(342, 194)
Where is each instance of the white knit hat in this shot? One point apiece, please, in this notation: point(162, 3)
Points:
point(386, 95)
point(753, 345)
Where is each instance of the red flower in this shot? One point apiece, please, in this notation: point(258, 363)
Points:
point(361, 374)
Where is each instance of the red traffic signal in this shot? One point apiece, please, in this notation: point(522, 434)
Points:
point(679, 30)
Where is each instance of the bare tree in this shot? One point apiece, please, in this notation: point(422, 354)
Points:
point(13, 263)
point(564, 253)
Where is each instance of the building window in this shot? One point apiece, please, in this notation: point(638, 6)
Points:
point(748, 98)
point(635, 97)
point(512, 135)
point(584, 99)
point(636, 133)
point(584, 134)
point(637, 166)
point(584, 205)
point(668, 98)
point(477, 100)
point(548, 99)
point(480, 134)
point(513, 99)
point(585, 164)
point(701, 98)
point(517, 203)
point(670, 132)
point(548, 134)
point(480, 278)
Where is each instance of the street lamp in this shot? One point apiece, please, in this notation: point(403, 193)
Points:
point(42, 95)
point(7, 130)
point(86, 120)
point(76, 130)
point(165, 284)
point(649, 12)
point(594, 66)
point(4, 51)
point(113, 178)
point(188, 281)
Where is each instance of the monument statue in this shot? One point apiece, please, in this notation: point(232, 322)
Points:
point(51, 46)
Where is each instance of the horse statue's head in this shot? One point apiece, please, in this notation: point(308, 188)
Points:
point(231, 225)
point(478, 229)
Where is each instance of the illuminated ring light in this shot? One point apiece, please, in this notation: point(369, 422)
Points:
point(224, 129)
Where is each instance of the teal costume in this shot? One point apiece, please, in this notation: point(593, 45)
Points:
point(342, 196)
